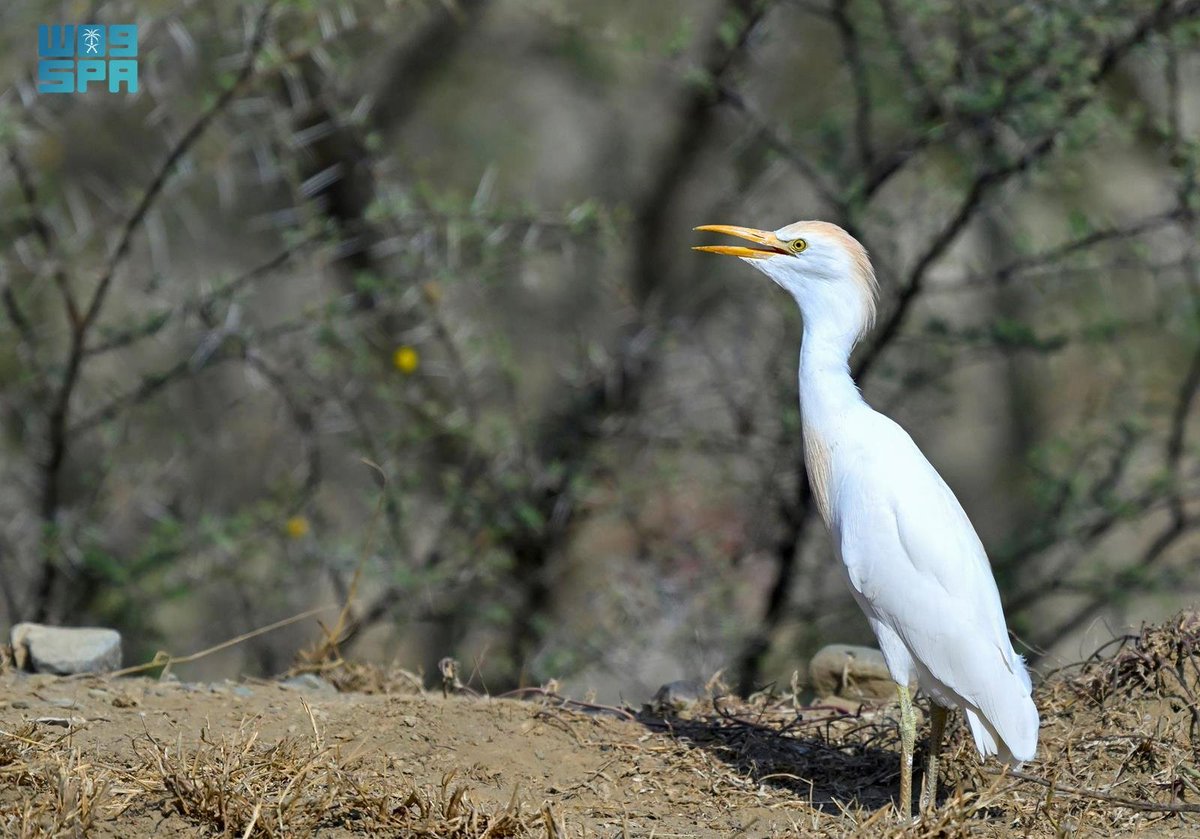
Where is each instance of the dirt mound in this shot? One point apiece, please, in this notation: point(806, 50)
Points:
point(122, 757)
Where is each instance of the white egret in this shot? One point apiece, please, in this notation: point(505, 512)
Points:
point(913, 561)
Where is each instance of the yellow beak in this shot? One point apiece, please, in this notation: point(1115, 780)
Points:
point(768, 244)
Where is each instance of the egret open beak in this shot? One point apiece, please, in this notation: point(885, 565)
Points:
point(768, 243)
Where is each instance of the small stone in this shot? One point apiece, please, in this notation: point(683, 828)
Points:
point(309, 682)
point(852, 672)
point(62, 722)
point(242, 691)
point(64, 651)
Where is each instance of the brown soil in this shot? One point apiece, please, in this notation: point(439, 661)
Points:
point(138, 757)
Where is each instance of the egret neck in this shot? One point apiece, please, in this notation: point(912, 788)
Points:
point(828, 395)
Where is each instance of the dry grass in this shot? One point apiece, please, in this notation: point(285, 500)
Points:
point(359, 677)
point(1119, 748)
point(234, 785)
point(1119, 757)
point(299, 785)
point(48, 789)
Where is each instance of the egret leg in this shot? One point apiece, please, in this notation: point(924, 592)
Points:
point(908, 738)
point(937, 728)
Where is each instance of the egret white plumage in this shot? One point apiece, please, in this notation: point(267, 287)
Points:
point(911, 557)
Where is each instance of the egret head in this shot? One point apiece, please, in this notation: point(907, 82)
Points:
point(821, 265)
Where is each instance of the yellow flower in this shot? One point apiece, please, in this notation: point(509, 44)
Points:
point(406, 359)
point(296, 527)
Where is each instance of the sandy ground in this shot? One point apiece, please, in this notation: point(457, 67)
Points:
point(93, 756)
point(609, 774)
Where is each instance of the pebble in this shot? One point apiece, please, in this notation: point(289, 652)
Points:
point(309, 682)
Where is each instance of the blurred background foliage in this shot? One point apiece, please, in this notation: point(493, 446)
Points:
point(431, 257)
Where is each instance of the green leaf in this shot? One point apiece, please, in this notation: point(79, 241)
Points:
point(529, 515)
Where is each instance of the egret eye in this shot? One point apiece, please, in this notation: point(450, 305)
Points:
point(798, 245)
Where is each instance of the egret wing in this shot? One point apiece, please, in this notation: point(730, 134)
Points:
point(917, 564)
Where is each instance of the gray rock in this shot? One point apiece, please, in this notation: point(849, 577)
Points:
point(64, 651)
point(309, 682)
point(851, 672)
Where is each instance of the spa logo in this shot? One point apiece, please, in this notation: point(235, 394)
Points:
point(72, 57)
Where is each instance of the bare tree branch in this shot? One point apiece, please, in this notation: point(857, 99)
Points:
point(155, 323)
point(992, 178)
point(43, 231)
point(1179, 523)
point(785, 148)
point(57, 417)
point(1105, 235)
point(182, 146)
point(566, 436)
point(852, 51)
